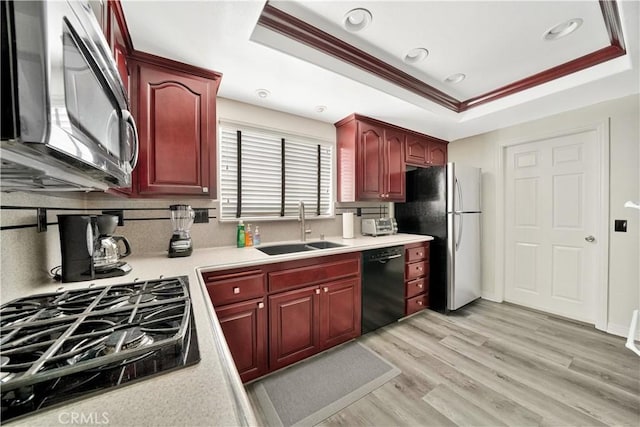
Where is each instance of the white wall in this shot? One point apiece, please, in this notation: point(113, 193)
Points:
point(624, 248)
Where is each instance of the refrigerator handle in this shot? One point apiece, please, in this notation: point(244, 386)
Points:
point(458, 214)
point(459, 194)
point(459, 235)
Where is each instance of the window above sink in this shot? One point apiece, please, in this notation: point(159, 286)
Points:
point(277, 170)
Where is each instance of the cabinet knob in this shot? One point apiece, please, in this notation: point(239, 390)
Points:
point(317, 291)
point(205, 189)
point(419, 253)
point(325, 289)
point(260, 305)
point(236, 290)
point(420, 285)
point(419, 302)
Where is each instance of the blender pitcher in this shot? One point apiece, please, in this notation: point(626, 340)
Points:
point(182, 217)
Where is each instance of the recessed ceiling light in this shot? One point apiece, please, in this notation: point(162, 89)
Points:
point(416, 55)
point(357, 19)
point(321, 108)
point(455, 78)
point(563, 29)
point(263, 93)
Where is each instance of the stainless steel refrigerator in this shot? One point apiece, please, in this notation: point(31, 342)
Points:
point(444, 202)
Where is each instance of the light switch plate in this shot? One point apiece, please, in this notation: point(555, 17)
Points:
point(620, 225)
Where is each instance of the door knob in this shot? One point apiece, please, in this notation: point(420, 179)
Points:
point(590, 239)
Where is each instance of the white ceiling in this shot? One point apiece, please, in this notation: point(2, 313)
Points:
point(493, 43)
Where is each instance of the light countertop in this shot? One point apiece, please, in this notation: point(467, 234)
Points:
point(209, 393)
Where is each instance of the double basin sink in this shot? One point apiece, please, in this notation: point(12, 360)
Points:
point(298, 247)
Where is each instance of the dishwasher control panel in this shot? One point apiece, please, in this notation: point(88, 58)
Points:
point(383, 254)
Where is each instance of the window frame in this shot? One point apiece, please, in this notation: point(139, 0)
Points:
point(279, 133)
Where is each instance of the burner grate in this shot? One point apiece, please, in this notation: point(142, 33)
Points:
point(48, 336)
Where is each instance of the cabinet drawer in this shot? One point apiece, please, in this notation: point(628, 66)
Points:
point(416, 287)
point(236, 287)
point(302, 276)
point(417, 303)
point(417, 254)
point(416, 269)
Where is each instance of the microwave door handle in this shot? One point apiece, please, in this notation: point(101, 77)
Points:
point(136, 145)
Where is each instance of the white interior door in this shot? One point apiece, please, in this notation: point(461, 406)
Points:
point(552, 200)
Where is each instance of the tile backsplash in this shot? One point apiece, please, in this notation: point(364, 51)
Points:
point(28, 256)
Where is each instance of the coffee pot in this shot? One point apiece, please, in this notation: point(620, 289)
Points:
point(107, 254)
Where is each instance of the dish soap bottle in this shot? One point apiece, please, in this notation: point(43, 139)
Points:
point(248, 236)
point(256, 236)
point(240, 234)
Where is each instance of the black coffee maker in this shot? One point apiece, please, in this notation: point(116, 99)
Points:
point(89, 249)
point(77, 243)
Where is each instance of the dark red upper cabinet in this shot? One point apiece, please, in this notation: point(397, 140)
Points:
point(425, 151)
point(370, 161)
point(394, 162)
point(438, 153)
point(370, 171)
point(175, 110)
point(417, 151)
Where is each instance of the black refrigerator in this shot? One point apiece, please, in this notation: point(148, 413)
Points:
point(444, 202)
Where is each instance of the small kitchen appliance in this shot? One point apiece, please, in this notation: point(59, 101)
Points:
point(107, 256)
point(182, 217)
point(77, 243)
point(65, 113)
point(379, 226)
point(62, 346)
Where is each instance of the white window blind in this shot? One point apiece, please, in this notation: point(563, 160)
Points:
point(258, 192)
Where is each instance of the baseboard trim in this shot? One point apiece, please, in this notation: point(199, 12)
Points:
point(621, 330)
point(491, 297)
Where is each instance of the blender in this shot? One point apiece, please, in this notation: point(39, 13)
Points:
point(182, 217)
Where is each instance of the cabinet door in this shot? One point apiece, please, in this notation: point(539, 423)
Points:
point(176, 120)
point(245, 329)
point(116, 38)
point(417, 151)
point(293, 326)
point(394, 166)
point(340, 312)
point(371, 162)
point(438, 153)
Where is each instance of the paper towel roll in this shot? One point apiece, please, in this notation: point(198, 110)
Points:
point(347, 225)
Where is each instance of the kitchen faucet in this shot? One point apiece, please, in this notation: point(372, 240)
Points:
point(303, 230)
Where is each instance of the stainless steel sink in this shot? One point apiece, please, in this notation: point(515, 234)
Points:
point(288, 248)
point(324, 244)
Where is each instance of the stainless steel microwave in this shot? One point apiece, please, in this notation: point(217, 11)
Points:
point(65, 115)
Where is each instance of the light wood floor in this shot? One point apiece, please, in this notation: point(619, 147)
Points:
point(499, 364)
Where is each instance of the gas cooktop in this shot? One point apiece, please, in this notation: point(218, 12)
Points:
point(61, 346)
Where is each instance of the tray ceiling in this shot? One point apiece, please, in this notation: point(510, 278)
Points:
point(310, 65)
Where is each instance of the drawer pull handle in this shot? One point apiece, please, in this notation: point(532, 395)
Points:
point(260, 305)
point(317, 291)
point(236, 290)
point(419, 302)
point(325, 289)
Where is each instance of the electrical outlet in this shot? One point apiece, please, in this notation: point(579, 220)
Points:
point(119, 213)
point(201, 216)
point(620, 225)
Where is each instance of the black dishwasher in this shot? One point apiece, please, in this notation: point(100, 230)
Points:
point(382, 287)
